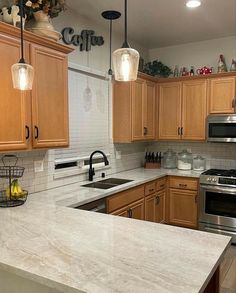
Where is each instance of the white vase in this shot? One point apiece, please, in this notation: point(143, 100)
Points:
point(42, 26)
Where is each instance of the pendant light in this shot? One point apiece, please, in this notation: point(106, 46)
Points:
point(111, 15)
point(126, 59)
point(22, 73)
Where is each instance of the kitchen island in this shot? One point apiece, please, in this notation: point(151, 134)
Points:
point(50, 248)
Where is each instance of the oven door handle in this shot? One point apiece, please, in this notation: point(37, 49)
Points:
point(229, 233)
point(218, 189)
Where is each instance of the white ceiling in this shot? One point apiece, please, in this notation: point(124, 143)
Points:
point(160, 23)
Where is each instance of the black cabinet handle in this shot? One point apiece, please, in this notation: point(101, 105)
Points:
point(179, 131)
point(158, 199)
point(145, 131)
point(36, 132)
point(27, 132)
point(182, 130)
point(130, 214)
point(233, 102)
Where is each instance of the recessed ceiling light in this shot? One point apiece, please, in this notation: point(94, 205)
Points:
point(193, 3)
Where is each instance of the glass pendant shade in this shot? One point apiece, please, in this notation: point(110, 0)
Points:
point(126, 63)
point(22, 76)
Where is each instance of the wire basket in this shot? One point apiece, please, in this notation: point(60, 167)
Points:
point(13, 195)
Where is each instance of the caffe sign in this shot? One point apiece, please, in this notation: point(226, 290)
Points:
point(84, 41)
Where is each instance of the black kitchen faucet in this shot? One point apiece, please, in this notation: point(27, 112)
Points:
point(91, 169)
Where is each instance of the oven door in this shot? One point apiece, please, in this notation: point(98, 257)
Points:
point(218, 206)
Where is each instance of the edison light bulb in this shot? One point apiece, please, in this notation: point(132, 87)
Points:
point(125, 66)
point(22, 76)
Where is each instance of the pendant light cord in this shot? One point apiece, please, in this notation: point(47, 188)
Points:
point(110, 70)
point(22, 60)
point(126, 44)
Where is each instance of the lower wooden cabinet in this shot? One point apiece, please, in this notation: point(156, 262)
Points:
point(183, 207)
point(134, 211)
point(155, 207)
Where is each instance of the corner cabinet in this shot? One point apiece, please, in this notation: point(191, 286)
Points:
point(37, 118)
point(134, 111)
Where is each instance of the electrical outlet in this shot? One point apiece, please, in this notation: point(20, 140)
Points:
point(118, 155)
point(38, 166)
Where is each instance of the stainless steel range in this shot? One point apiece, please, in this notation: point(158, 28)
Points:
point(218, 202)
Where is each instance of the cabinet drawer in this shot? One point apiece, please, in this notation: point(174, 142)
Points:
point(183, 183)
point(150, 188)
point(124, 198)
point(161, 184)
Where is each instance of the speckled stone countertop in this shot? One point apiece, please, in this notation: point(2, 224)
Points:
point(79, 251)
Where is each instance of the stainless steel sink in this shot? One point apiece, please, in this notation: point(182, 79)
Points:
point(107, 183)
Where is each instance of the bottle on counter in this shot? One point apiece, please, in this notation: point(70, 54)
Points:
point(185, 160)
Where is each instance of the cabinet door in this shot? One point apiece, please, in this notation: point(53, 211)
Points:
point(149, 110)
point(49, 98)
point(121, 212)
point(155, 207)
point(194, 111)
point(183, 208)
point(14, 104)
point(136, 210)
point(137, 110)
point(160, 207)
point(169, 111)
point(222, 94)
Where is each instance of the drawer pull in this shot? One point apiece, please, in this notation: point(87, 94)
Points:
point(183, 185)
point(130, 213)
point(151, 190)
point(163, 185)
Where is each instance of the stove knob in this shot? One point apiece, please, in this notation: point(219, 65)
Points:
point(214, 179)
point(208, 179)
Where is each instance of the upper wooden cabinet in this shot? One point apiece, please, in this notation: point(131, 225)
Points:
point(14, 104)
point(49, 98)
point(133, 111)
point(222, 97)
point(169, 111)
point(37, 118)
point(182, 110)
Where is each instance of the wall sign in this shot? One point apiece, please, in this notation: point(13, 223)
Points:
point(85, 41)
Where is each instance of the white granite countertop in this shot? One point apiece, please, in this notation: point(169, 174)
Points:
point(74, 194)
point(79, 251)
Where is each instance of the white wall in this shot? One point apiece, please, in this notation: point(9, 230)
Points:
point(197, 54)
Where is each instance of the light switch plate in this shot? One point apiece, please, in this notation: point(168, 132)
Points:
point(38, 166)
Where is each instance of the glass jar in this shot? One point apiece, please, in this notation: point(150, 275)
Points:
point(185, 160)
point(169, 159)
point(199, 163)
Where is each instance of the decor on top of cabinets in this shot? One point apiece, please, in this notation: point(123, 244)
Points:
point(233, 66)
point(222, 64)
point(22, 73)
point(126, 59)
point(157, 68)
point(111, 15)
point(205, 70)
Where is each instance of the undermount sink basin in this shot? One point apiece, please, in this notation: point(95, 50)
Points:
point(107, 183)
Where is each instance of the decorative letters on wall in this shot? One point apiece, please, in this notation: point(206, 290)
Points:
point(85, 40)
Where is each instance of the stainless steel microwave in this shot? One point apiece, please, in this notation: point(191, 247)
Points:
point(221, 128)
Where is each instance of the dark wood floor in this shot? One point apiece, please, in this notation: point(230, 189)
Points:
point(228, 272)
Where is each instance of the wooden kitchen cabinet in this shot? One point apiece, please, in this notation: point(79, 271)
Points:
point(14, 104)
point(155, 207)
point(222, 97)
point(37, 118)
point(182, 110)
point(182, 203)
point(134, 111)
point(194, 110)
point(133, 211)
point(169, 110)
point(49, 98)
